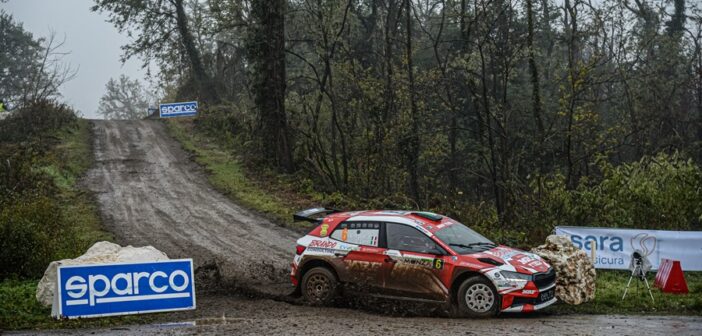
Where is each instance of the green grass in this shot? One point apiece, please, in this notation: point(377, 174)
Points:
point(19, 309)
point(74, 157)
point(610, 288)
point(228, 175)
point(66, 163)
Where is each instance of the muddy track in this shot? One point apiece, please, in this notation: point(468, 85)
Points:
point(151, 193)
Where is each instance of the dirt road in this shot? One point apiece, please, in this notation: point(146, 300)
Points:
point(240, 316)
point(151, 193)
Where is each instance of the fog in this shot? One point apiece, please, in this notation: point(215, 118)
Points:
point(93, 43)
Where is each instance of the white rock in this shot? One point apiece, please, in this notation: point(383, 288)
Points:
point(100, 252)
point(575, 283)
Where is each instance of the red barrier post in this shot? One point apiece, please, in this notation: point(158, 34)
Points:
point(670, 277)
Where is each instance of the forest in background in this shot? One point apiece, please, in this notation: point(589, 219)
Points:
point(512, 115)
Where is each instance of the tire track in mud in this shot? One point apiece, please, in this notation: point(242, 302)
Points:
point(151, 193)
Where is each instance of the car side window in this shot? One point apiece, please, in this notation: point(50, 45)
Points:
point(359, 233)
point(406, 238)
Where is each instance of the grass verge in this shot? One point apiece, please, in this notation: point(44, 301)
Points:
point(65, 163)
point(70, 160)
point(269, 195)
point(610, 288)
point(19, 309)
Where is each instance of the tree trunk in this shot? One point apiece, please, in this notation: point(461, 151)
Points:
point(268, 57)
point(414, 142)
point(205, 86)
point(536, 96)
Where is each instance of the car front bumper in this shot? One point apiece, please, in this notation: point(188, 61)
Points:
point(516, 303)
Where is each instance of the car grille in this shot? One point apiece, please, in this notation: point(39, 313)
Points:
point(543, 297)
point(543, 280)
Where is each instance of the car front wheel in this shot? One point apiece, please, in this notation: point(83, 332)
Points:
point(477, 298)
point(319, 286)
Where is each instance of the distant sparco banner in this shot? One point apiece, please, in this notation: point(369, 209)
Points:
point(183, 109)
point(615, 246)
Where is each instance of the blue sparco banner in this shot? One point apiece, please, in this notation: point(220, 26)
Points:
point(119, 289)
point(183, 109)
point(613, 247)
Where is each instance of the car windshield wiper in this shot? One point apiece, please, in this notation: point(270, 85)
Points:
point(482, 243)
point(471, 245)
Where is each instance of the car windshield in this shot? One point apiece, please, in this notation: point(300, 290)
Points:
point(463, 240)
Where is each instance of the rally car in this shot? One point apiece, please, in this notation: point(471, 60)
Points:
point(417, 255)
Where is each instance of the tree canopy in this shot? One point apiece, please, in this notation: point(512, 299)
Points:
point(439, 104)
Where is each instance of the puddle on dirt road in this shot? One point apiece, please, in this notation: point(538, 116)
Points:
point(211, 321)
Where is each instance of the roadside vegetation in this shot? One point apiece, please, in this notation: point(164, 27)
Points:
point(274, 196)
point(610, 288)
point(44, 213)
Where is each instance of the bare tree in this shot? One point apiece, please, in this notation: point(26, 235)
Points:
point(124, 99)
point(51, 73)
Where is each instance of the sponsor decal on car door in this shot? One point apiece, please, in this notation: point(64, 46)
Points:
point(362, 266)
point(415, 274)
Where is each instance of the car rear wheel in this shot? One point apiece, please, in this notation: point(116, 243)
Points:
point(319, 286)
point(477, 298)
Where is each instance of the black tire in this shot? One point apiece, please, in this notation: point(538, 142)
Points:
point(477, 297)
point(319, 286)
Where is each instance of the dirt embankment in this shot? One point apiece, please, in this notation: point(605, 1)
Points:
point(151, 193)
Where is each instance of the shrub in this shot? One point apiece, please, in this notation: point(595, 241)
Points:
point(37, 120)
point(33, 234)
point(660, 192)
point(33, 228)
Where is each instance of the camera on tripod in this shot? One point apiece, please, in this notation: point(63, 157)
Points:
point(639, 266)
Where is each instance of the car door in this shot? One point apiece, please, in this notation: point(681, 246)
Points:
point(414, 264)
point(362, 265)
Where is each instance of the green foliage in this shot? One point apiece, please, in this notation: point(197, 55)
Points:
point(43, 215)
point(18, 306)
point(660, 192)
point(36, 122)
point(19, 309)
point(34, 235)
point(19, 64)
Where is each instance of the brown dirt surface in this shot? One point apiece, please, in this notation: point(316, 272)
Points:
point(151, 193)
point(241, 316)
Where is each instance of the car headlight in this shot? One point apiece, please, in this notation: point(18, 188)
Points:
point(514, 276)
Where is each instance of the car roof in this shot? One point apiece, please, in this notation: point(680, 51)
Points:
point(425, 221)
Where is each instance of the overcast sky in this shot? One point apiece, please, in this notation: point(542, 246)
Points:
point(94, 45)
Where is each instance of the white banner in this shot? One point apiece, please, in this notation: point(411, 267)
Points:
point(615, 246)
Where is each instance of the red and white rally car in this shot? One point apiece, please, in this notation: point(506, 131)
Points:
point(417, 255)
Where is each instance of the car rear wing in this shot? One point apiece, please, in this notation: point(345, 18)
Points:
point(313, 215)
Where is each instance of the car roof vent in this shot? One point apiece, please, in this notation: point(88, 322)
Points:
point(428, 215)
point(491, 261)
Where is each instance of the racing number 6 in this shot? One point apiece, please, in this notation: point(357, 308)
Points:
point(438, 264)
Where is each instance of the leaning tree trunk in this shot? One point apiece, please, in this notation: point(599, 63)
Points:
point(203, 82)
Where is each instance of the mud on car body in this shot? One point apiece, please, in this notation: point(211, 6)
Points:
point(417, 255)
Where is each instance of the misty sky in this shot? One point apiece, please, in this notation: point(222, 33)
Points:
point(94, 45)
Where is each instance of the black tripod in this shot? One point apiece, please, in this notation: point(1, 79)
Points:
point(637, 270)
